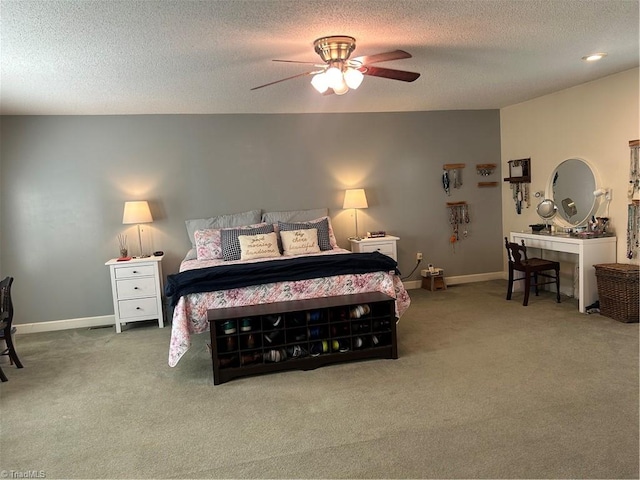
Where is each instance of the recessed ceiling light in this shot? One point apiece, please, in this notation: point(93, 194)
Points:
point(594, 57)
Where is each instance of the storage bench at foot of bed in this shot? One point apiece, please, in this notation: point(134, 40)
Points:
point(301, 334)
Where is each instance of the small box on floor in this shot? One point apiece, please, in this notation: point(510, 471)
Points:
point(433, 279)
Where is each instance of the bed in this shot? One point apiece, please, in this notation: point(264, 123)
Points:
point(220, 269)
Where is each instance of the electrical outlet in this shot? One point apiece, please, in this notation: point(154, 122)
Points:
point(419, 256)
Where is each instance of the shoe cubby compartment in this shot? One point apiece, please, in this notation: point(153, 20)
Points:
point(301, 334)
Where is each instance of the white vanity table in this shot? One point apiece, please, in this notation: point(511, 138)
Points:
point(590, 252)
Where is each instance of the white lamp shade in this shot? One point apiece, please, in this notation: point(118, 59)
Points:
point(353, 78)
point(341, 89)
point(334, 77)
point(136, 212)
point(320, 83)
point(355, 198)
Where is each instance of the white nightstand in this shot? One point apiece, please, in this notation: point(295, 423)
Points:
point(386, 245)
point(136, 286)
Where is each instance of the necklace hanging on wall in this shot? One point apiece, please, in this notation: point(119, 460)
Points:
point(458, 215)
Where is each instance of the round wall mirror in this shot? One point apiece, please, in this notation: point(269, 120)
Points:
point(572, 185)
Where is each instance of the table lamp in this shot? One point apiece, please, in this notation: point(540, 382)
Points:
point(137, 212)
point(355, 198)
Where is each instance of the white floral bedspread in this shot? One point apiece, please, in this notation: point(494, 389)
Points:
point(190, 313)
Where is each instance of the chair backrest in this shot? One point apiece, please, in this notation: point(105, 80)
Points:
point(516, 254)
point(6, 305)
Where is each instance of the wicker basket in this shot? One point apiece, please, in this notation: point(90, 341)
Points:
point(619, 291)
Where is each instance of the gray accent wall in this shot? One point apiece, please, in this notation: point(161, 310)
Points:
point(64, 181)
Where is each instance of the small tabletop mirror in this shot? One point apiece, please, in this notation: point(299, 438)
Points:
point(547, 209)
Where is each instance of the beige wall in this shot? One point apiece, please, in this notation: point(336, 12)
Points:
point(593, 121)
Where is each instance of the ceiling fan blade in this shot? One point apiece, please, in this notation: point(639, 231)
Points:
point(390, 73)
point(295, 61)
point(382, 57)
point(284, 79)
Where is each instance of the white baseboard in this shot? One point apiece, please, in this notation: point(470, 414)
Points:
point(54, 325)
point(460, 279)
point(87, 322)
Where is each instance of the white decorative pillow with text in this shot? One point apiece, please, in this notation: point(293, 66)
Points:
point(258, 246)
point(300, 242)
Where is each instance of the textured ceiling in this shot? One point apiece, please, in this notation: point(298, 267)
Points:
point(186, 56)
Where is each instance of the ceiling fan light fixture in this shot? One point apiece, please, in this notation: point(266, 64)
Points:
point(334, 76)
point(320, 83)
point(353, 77)
point(336, 47)
point(341, 89)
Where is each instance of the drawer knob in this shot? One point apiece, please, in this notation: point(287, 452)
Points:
point(136, 288)
point(138, 308)
point(135, 271)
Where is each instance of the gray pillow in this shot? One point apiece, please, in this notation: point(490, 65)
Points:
point(221, 221)
point(231, 244)
point(295, 215)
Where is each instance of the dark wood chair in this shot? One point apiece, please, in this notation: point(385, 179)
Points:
point(6, 329)
point(532, 268)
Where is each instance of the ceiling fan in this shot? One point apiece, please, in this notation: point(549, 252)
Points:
point(339, 73)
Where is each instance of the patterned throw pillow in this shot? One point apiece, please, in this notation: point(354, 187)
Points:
point(300, 242)
point(231, 244)
point(209, 241)
point(259, 246)
point(322, 226)
point(208, 244)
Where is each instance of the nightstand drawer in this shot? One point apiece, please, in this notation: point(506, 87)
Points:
point(139, 307)
point(137, 271)
point(384, 248)
point(136, 287)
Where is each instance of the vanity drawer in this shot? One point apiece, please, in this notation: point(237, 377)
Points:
point(139, 307)
point(136, 287)
point(134, 271)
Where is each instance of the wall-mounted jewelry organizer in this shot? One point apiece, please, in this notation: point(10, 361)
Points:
point(458, 215)
point(519, 179)
point(486, 169)
point(633, 208)
point(452, 176)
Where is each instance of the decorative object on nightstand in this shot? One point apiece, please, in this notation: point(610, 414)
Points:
point(137, 212)
point(122, 242)
point(355, 198)
point(386, 245)
point(136, 287)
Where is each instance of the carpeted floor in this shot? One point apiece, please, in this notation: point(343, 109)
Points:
point(483, 388)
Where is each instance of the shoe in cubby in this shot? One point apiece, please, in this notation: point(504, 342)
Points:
point(273, 337)
point(250, 358)
point(228, 327)
point(275, 355)
point(296, 351)
point(228, 361)
point(318, 348)
point(272, 321)
point(314, 316)
point(246, 325)
point(250, 341)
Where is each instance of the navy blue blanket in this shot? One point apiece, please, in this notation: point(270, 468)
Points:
point(224, 277)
